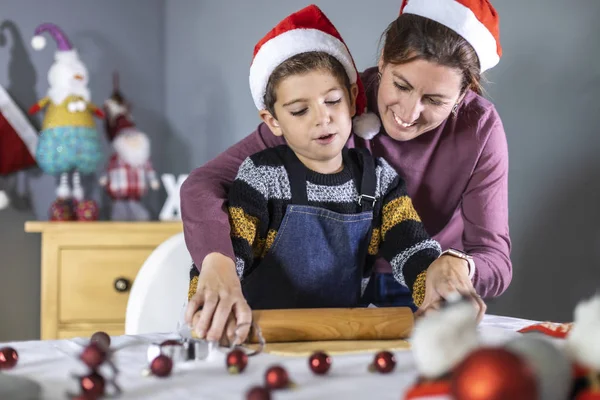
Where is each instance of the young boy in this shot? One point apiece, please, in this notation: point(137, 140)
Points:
point(309, 218)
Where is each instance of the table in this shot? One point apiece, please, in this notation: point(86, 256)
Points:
point(348, 378)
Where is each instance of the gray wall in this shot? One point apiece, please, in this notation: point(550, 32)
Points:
point(111, 35)
point(185, 63)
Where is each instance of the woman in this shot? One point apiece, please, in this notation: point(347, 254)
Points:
point(437, 131)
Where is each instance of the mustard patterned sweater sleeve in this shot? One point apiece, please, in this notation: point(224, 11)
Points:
point(404, 243)
point(248, 215)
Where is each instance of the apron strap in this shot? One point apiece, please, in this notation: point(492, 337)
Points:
point(297, 177)
point(367, 185)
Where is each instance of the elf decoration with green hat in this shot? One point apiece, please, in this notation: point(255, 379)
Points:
point(68, 143)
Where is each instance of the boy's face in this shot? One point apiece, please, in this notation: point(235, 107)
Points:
point(314, 114)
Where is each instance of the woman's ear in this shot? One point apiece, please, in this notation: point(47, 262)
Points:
point(271, 122)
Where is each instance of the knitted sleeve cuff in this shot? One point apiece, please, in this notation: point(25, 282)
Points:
point(418, 290)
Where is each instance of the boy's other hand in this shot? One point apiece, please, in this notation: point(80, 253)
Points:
point(219, 306)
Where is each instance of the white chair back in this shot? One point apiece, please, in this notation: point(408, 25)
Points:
point(160, 289)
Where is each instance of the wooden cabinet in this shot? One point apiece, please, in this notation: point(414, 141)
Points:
point(87, 270)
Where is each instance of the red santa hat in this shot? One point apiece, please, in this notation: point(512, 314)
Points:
point(18, 140)
point(305, 31)
point(475, 20)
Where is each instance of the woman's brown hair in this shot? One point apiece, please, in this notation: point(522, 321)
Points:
point(412, 37)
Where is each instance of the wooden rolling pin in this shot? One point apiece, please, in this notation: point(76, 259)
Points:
point(302, 325)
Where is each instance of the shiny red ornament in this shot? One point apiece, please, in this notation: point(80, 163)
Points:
point(92, 384)
point(277, 377)
point(236, 361)
point(384, 362)
point(93, 355)
point(161, 366)
point(102, 338)
point(319, 362)
point(493, 374)
point(8, 358)
point(258, 393)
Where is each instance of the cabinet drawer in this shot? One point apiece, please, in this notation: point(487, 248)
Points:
point(88, 287)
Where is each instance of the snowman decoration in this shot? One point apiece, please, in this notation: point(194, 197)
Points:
point(68, 144)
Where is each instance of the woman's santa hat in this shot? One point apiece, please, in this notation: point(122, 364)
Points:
point(475, 20)
point(308, 30)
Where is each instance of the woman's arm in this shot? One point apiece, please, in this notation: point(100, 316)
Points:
point(204, 193)
point(485, 213)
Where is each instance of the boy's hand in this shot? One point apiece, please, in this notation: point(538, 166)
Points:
point(446, 277)
point(223, 306)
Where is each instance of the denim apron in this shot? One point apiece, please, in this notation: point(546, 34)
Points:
point(383, 290)
point(317, 259)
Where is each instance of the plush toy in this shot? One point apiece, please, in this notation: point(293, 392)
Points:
point(68, 142)
point(129, 172)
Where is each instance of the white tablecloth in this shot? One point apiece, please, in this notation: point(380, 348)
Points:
point(44, 362)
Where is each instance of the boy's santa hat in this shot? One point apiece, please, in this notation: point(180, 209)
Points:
point(18, 140)
point(475, 20)
point(305, 31)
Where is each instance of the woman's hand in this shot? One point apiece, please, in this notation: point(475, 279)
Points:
point(446, 277)
point(218, 307)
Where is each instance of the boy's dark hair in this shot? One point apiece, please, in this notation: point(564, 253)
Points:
point(300, 64)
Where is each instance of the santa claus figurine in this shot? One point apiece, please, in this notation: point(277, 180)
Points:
point(129, 172)
point(68, 142)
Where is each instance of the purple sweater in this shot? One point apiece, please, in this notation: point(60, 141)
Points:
point(456, 175)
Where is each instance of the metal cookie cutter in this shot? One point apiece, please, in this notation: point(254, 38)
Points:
point(188, 348)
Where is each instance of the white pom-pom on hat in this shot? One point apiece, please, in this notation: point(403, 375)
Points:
point(366, 125)
point(582, 341)
point(442, 339)
point(38, 42)
point(4, 201)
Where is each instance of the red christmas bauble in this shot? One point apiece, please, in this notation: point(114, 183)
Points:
point(92, 384)
point(161, 366)
point(8, 357)
point(236, 361)
point(93, 355)
point(258, 393)
point(493, 374)
point(384, 362)
point(319, 362)
point(277, 377)
point(102, 338)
